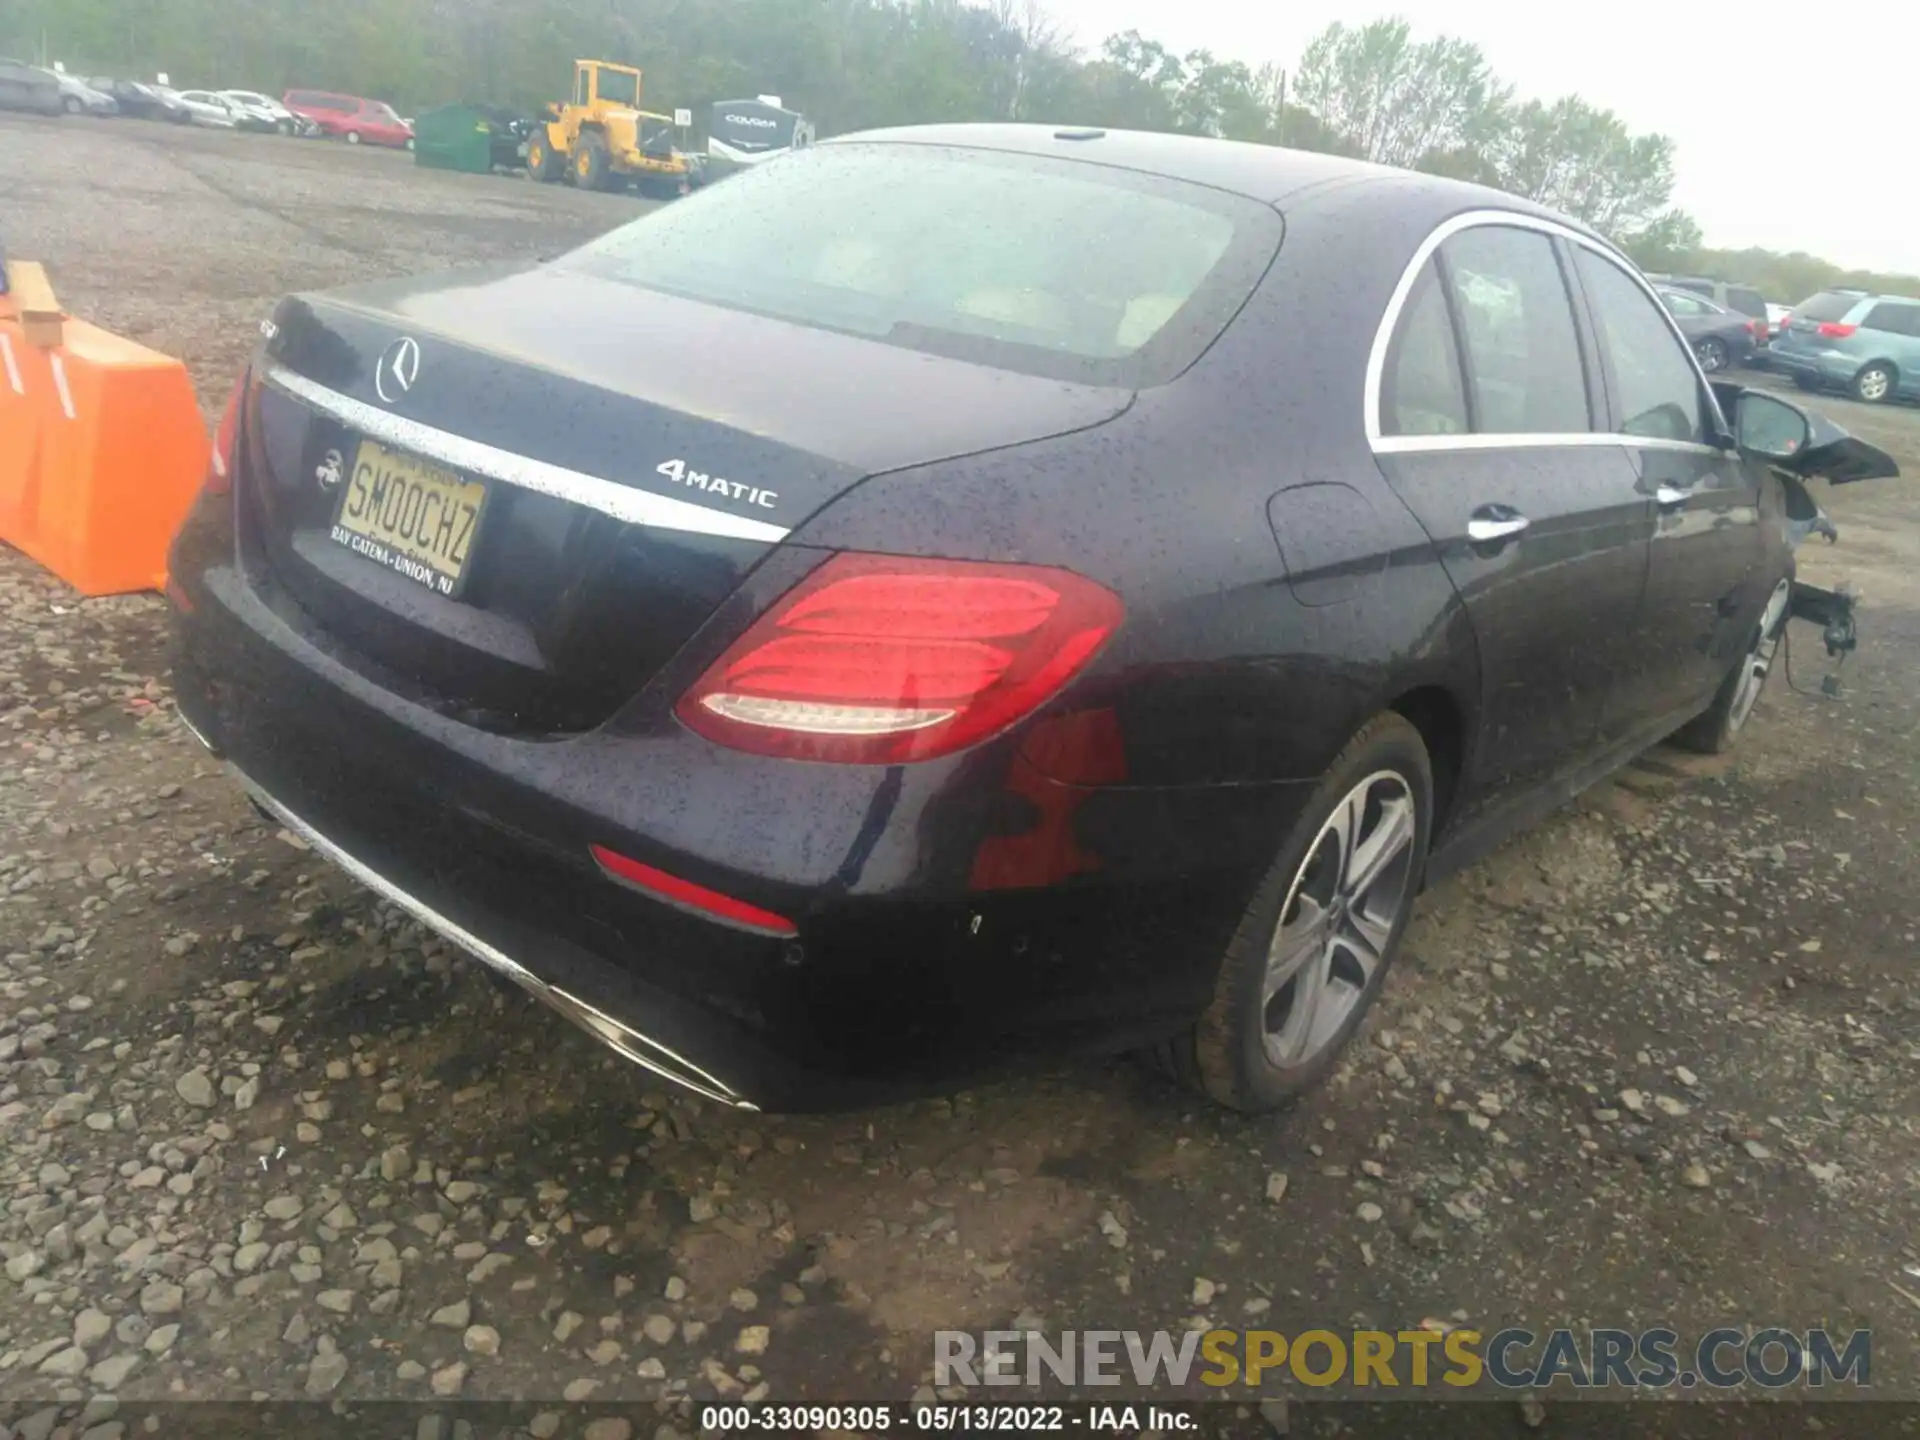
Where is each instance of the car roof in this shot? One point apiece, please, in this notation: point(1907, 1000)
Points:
point(1296, 180)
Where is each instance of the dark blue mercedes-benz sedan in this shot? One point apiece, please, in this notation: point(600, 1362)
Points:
point(955, 596)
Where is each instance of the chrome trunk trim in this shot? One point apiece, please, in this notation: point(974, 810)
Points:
point(489, 462)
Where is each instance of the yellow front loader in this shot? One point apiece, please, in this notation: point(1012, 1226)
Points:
point(603, 139)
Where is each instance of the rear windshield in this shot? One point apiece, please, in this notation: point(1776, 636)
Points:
point(1827, 305)
point(1070, 270)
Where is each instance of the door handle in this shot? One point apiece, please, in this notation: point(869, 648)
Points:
point(1495, 522)
point(1668, 498)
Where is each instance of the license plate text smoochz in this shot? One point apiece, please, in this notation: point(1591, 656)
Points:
point(411, 516)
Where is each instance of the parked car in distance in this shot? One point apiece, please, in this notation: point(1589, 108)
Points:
point(143, 102)
point(28, 87)
point(77, 97)
point(1727, 294)
point(248, 116)
point(807, 749)
point(1719, 337)
point(207, 108)
point(352, 118)
point(1867, 345)
point(1776, 317)
point(281, 118)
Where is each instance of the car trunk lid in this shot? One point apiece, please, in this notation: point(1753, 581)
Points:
point(514, 494)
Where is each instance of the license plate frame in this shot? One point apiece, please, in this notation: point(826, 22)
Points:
point(376, 466)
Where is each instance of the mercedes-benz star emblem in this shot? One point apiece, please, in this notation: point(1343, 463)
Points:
point(399, 367)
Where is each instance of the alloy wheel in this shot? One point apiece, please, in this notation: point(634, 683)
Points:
point(1713, 356)
point(1349, 894)
point(1874, 384)
point(1759, 660)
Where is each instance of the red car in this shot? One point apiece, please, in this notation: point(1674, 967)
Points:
point(352, 118)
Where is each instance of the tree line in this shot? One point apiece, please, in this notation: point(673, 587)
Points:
point(1374, 91)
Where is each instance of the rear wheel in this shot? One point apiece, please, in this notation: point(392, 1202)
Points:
point(542, 164)
point(591, 163)
point(1314, 947)
point(353, 137)
point(1714, 732)
point(1713, 354)
point(73, 105)
point(285, 127)
point(1874, 384)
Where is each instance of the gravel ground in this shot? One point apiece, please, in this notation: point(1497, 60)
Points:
point(260, 1136)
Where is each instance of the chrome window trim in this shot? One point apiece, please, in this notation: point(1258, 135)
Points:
point(1403, 444)
point(622, 502)
point(594, 1021)
point(1390, 322)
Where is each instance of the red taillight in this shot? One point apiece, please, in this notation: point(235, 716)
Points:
point(220, 463)
point(1833, 330)
point(690, 896)
point(878, 660)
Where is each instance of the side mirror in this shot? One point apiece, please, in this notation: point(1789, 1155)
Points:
point(1768, 426)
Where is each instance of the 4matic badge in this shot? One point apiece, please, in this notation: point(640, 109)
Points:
point(678, 472)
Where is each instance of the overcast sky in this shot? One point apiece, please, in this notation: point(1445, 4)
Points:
point(1797, 126)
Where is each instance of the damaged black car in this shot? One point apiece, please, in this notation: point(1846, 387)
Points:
point(954, 597)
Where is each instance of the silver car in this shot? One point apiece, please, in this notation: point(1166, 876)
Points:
point(77, 97)
point(28, 87)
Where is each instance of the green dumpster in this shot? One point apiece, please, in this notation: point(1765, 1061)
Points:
point(454, 137)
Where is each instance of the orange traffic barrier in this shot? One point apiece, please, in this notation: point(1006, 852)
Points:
point(102, 448)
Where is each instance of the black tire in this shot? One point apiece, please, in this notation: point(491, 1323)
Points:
point(1874, 384)
point(543, 164)
point(1226, 1055)
point(1715, 730)
point(285, 127)
point(73, 105)
point(1713, 354)
point(592, 163)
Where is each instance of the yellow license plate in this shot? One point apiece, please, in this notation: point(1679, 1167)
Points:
point(410, 515)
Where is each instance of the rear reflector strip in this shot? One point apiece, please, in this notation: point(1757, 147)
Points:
point(623, 502)
point(686, 895)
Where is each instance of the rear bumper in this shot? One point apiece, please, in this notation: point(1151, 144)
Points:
point(905, 975)
point(1826, 367)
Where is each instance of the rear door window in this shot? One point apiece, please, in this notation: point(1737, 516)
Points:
point(1896, 319)
point(1747, 302)
point(1422, 392)
point(1655, 385)
point(1516, 323)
